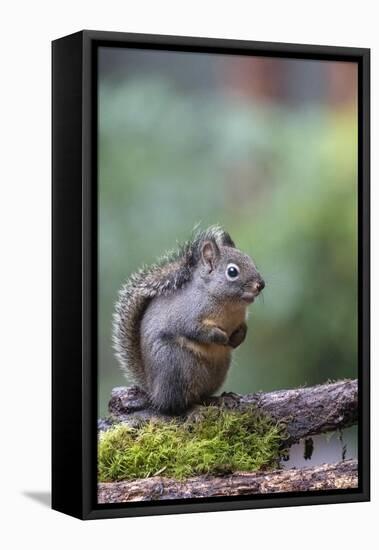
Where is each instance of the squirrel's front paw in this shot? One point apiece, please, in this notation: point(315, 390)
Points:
point(218, 336)
point(238, 336)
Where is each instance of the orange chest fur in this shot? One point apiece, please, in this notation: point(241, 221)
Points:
point(228, 319)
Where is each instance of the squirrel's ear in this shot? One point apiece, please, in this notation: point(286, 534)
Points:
point(210, 254)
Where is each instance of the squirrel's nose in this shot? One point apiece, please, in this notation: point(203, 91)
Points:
point(259, 285)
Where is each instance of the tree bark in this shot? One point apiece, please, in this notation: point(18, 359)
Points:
point(343, 475)
point(303, 411)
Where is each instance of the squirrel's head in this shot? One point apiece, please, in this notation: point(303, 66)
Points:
point(229, 273)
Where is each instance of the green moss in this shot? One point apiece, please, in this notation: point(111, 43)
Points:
point(219, 441)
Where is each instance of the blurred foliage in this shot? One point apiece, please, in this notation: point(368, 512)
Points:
point(282, 181)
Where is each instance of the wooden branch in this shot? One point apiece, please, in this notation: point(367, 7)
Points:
point(304, 411)
point(343, 475)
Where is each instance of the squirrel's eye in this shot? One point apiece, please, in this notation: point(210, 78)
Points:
point(232, 272)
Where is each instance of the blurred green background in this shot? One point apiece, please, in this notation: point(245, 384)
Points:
point(268, 149)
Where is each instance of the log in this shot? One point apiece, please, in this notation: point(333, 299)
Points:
point(343, 475)
point(304, 411)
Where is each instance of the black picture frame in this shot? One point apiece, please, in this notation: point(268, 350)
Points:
point(74, 272)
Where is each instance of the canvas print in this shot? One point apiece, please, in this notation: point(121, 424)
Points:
point(227, 275)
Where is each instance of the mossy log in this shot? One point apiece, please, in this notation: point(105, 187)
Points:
point(343, 475)
point(304, 411)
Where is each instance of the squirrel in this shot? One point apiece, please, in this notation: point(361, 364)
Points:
point(177, 321)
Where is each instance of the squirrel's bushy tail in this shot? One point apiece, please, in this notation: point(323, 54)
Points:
point(169, 274)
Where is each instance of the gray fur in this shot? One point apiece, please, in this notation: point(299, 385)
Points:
point(177, 321)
